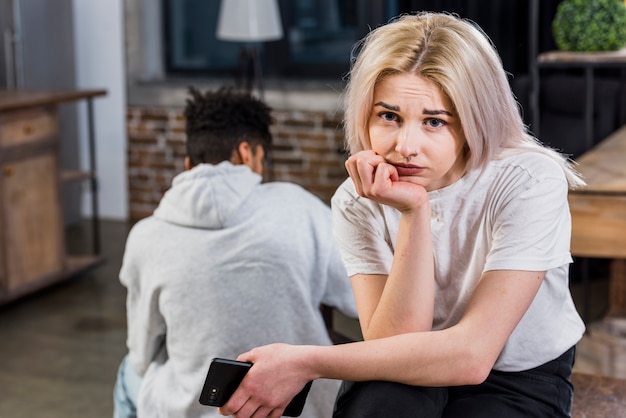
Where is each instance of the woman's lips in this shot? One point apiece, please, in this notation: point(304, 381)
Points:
point(408, 170)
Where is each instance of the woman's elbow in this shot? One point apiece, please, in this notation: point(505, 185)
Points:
point(477, 374)
point(477, 368)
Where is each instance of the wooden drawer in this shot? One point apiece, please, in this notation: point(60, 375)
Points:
point(31, 222)
point(29, 125)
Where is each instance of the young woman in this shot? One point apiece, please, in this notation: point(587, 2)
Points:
point(455, 229)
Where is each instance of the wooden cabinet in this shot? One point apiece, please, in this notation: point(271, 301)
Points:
point(32, 233)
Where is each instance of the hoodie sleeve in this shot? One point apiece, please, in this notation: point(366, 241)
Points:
point(146, 326)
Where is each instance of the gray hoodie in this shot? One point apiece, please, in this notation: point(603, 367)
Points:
point(226, 264)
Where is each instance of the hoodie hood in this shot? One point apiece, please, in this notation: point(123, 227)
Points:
point(206, 195)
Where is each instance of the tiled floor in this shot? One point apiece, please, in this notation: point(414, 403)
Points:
point(61, 346)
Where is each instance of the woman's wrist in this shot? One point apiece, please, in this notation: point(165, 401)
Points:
point(417, 214)
point(311, 361)
point(316, 362)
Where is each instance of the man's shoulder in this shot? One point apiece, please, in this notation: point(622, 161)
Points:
point(144, 227)
point(284, 186)
point(290, 192)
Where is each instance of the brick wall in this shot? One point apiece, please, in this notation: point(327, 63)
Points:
point(308, 150)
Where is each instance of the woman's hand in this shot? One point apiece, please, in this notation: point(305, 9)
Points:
point(378, 180)
point(278, 373)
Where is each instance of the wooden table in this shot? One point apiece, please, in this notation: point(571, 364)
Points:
point(599, 212)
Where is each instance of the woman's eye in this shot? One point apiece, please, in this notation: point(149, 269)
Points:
point(435, 123)
point(388, 116)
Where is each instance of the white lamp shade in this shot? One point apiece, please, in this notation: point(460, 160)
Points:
point(249, 20)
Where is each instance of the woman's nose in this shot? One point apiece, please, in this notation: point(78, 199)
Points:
point(407, 144)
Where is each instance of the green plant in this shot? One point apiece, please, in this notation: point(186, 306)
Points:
point(590, 25)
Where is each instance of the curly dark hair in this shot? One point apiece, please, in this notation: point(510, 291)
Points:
point(218, 121)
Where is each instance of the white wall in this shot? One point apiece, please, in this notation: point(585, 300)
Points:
point(99, 48)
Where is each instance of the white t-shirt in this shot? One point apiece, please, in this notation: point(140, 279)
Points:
point(512, 215)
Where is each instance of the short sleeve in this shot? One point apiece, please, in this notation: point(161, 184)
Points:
point(361, 230)
point(532, 227)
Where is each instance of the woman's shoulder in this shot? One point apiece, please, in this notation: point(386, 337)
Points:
point(346, 191)
point(347, 198)
point(524, 174)
point(535, 165)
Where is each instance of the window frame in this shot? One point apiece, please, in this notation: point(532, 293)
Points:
point(275, 54)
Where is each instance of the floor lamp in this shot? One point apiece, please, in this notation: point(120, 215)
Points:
point(249, 21)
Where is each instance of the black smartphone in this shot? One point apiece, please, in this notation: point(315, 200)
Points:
point(223, 378)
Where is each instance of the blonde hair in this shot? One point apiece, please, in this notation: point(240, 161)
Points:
point(460, 59)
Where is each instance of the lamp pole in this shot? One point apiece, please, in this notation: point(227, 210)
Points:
point(250, 21)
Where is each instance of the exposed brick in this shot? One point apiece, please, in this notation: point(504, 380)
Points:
point(308, 150)
point(154, 113)
point(287, 160)
point(143, 138)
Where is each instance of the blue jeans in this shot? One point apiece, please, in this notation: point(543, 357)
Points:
point(542, 392)
point(125, 391)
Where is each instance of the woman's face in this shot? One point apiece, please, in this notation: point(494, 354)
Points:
point(413, 126)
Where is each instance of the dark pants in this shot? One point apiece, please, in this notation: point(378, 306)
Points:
point(545, 391)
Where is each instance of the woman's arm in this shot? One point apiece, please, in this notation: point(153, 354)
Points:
point(404, 300)
point(460, 355)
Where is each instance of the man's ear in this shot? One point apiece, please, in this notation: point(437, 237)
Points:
point(188, 165)
point(244, 153)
